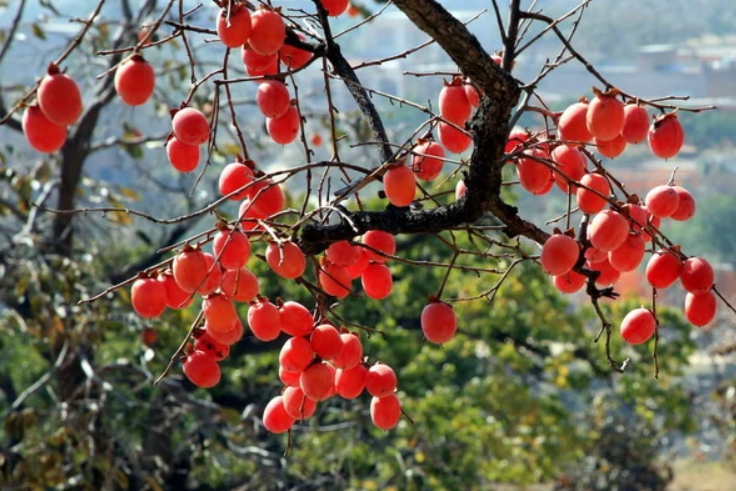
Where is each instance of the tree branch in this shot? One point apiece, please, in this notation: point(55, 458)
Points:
point(490, 128)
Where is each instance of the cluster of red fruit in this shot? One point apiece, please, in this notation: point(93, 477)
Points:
point(615, 239)
point(317, 362)
point(60, 101)
point(261, 37)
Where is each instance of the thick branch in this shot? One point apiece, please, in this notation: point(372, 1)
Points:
point(490, 128)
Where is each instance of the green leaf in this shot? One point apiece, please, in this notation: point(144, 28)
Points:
point(38, 31)
point(134, 151)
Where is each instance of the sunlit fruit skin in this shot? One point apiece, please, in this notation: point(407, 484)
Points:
point(608, 230)
point(696, 275)
point(608, 274)
point(232, 247)
point(453, 103)
point(570, 282)
point(256, 61)
point(377, 281)
point(271, 69)
point(342, 253)
point(352, 351)
point(605, 117)
point(427, 161)
point(385, 411)
point(189, 269)
point(213, 276)
point(135, 81)
point(636, 124)
point(240, 285)
point(439, 322)
point(268, 198)
point(334, 280)
point(202, 370)
point(573, 126)
point(472, 94)
point(286, 259)
point(40, 132)
point(190, 126)
point(267, 32)
point(59, 98)
point(264, 320)
point(453, 139)
point(294, 58)
point(148, 297)
point(571, 162)
point(235, 30)
point(275, 418)
point(534, 176)
point(685, 205)
point(284, 129)
point(219, 312)
point(290, 379)
point(663, 269)
point(588, 201)
point(183, 157)
point(298, 405)
point(273, 98)
point(362, 261)
point(350, 382)
point(335, 7)
point(399, 185)
point(296, 354)
point(296, 319)
point(326, 341)
point(594, 255)
point(638, 216)
point(629, 255)
point(228, 337)
point(380, 381)
point(662, 201)
point(700, 309)
point(611, 148)
point(218, 351)
point(559, 254)
point(176, 298)
point(249, 216)
point(666, 136)
point(380, 241)
point(638, 326)
point(318, 381)
point(516, 141)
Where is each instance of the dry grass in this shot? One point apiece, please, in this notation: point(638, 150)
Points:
point(691, 475)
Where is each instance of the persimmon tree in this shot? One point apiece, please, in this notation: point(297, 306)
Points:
point(322, 224)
